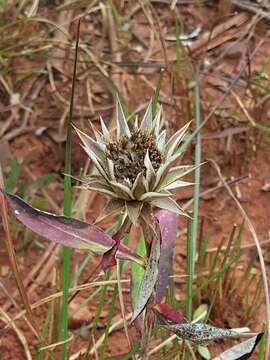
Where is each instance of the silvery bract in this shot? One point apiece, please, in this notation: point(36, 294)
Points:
point(136, 167)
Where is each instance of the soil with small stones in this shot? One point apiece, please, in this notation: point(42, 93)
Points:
point(240, 149)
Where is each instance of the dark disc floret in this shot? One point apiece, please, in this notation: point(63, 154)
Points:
point(128, 154)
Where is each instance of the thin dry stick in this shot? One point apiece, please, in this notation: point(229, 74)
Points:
point(32, 273)
point(115, 53)
point(52, 346)
point(115, 326)
point(34, 95)
point(5, 317)
point(45, 270)
point(121, 300)
point(71, 290)
point(223, 97)
point(13, 261)
point(255, 9)
point(260, 254)
point(148, 11)
point(243, 108)
point(9, 296)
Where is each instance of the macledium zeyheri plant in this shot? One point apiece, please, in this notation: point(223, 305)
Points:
point(136, 167)
point(137, 170)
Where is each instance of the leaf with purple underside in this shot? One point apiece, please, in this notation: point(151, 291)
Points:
point(241, 351)
point(168, 231)
point(109, 258)
point(170, 314)
point(149, 277)
point(66, 231)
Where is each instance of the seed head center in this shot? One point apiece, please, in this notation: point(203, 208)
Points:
point(128, 154)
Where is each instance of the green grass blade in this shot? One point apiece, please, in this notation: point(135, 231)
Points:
point(156, 95)
point(193, 224)
point(189, 271)
point(197, 166)
point(67, 212)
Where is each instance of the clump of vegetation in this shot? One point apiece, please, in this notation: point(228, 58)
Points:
point(136, 170)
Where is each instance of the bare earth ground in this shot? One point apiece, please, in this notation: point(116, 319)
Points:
point(229, 137)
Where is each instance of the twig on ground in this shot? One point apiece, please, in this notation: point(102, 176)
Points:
point(260, 255)
point(5, 317)
point(25, 117)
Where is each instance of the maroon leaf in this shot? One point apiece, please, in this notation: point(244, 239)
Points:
point(66, 231)
point(168, 230)
point(170, 314)
point(109, 258)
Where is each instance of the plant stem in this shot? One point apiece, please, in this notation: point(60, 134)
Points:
point(197, 166)
point(67, 212)
point(193, 224)
point(189, 270)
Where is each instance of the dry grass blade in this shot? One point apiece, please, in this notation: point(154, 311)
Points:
point(52, 346)
point(71, 290)
point(260, 255)
point(13, 261)
point(122, 305)
point(39, 269)
point(13, 302)
point(5, 318)
point(118, 324)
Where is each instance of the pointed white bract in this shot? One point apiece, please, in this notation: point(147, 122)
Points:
point(121, 122)
point(136, 166)
point(148, 118)
point(105, 131)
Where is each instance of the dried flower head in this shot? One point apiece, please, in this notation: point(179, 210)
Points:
point(135, 168)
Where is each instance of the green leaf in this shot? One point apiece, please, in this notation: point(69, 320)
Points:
point(200, 313)
point(204, 352)
point(149, 278)
point(137, 271)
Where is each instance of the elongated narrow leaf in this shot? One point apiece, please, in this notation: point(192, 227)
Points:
point(137, 271)
point(149, 279)
point(168, 204)
point(241, 351)
point(200, 333)
point(168, 231)
point(175, 140)
point(66, 231)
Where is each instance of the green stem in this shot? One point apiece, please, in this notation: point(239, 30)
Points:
point(190, 263)
point(67, 212)
point(193, 224)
